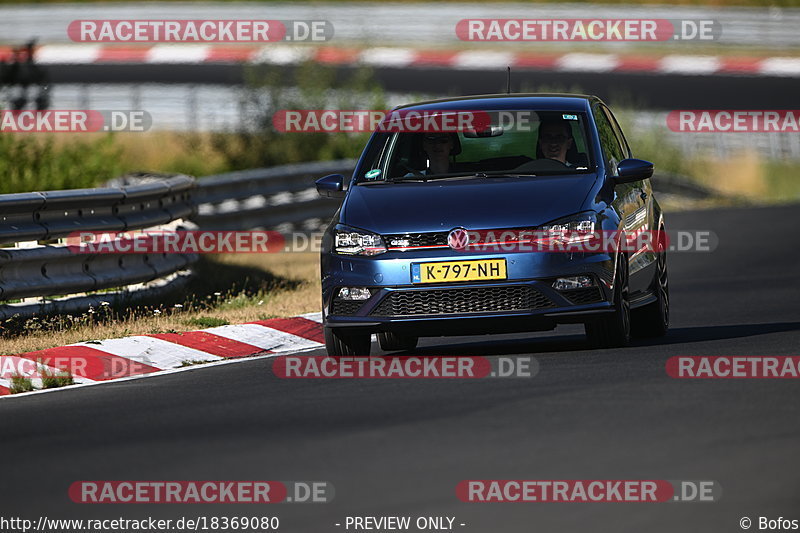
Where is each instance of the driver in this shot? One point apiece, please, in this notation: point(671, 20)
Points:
point(438, 147)
point(555, 139)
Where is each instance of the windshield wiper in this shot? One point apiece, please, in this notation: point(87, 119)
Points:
point(487, 174)
point(491, 174)
point(465, 175)
point(503, 174)
point(420, 179)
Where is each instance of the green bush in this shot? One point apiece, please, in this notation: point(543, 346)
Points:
point(32, 163)
point(207, 322)
point(311, 86)
point(53, 380)
point(20, 384)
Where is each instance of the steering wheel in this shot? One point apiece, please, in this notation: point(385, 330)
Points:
point(412, 170)
point(541, 164)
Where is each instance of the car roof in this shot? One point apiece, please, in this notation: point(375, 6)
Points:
point(543, 101)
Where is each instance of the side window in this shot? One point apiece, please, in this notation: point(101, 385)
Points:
point(612, 151)
point(626, 150)
point(375, 156)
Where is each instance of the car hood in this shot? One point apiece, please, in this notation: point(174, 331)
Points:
point(477, 203)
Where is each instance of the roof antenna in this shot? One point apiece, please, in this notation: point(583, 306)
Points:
point(508, 84)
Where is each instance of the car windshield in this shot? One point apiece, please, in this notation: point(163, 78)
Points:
point(509, 142)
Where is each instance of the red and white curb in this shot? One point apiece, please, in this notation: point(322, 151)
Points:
point(277, 54)
point(112, 359)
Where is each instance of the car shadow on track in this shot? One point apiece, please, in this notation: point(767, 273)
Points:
point(716, 333)
point(500, 346)
point(572, 343)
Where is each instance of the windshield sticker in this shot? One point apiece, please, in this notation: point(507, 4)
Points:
point(373, 174)
point(569, 117)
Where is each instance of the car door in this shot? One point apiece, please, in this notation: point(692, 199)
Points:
point(640, 218)
point(628, 201)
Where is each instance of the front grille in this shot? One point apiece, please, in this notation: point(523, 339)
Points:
point(346, 307)
point(416, 239)
point(461, 300)
point(588, 295)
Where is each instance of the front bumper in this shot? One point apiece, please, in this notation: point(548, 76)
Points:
point(526, 301)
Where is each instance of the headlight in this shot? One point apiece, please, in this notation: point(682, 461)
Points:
point(352, 241)
point(575, 228)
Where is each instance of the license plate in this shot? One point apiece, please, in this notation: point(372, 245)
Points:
point(446, 271)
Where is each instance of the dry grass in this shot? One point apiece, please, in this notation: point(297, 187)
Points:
point(742, 174)
point(259, 286)
point(167, 151)
point(749, 177)
point(305, 298)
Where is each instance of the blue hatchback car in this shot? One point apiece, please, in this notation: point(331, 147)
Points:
point(429, 237)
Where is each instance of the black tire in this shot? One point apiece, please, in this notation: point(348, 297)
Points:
point(392, 342)
point(340, 343)
point(614, 329)
point(652, 320)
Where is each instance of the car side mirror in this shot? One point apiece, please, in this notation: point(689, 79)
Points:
point(331, 186)
point(629, 170)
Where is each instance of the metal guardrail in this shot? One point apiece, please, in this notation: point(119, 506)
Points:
point(279, 198)
point(41, 265)
point(268, 198)
point(34, 216)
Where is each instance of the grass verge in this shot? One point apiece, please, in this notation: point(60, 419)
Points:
point(227, 290)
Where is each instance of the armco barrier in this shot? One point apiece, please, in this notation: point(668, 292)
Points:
point(38, 265)
point(268, 197)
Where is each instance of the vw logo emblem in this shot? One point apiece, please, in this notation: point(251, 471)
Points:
point(458, 239)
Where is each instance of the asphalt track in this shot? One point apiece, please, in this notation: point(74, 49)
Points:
point(644, 90)
point(399, 447)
